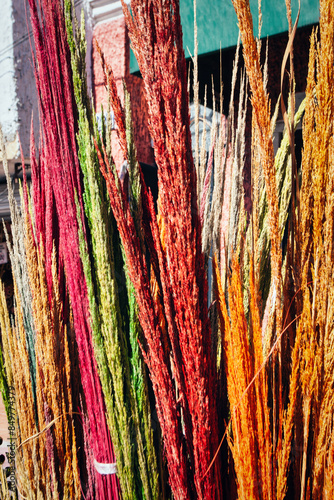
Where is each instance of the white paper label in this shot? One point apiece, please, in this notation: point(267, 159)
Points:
point(105, 469)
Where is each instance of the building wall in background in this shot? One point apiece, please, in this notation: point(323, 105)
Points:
point(111, 35)
point(26, 96)
point(8, 101)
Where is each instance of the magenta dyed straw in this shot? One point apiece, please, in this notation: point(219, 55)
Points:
point(57, 181)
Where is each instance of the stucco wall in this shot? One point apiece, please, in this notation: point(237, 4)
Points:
point(8, 100)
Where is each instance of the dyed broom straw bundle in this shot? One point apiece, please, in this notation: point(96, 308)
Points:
point(115, 325)
point(262, 376)
point(60, 180)
point(46, 384)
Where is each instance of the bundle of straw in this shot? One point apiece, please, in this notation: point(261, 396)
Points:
point(109, 286)
point(60, 178)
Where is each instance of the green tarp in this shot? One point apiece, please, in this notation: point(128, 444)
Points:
point(218, 27)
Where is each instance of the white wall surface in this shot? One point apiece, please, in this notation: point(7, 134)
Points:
point(8, 97)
